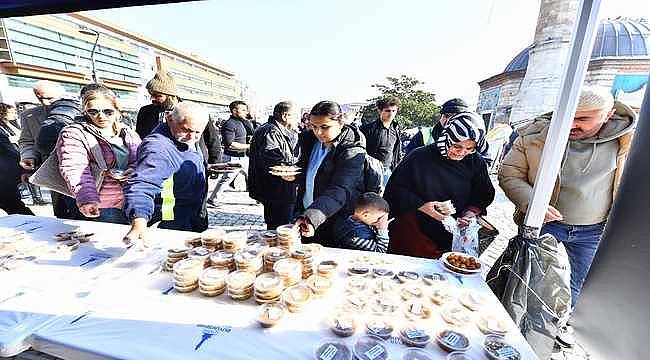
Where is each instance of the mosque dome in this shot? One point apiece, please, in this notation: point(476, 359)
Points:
point(616, 38)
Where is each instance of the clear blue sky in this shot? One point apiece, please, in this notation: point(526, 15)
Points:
point(307, 51)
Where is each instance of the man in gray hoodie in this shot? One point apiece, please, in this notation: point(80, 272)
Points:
point(591, 170)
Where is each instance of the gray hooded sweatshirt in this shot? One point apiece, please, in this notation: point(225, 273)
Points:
point(588, 169)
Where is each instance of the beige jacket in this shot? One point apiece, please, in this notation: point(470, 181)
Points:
point(519, 168)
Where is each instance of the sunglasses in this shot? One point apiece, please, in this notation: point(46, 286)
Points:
point(95, 112)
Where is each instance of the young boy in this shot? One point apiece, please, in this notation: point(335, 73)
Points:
point(367, 228)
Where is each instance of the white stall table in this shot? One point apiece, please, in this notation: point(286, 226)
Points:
point(125, 308)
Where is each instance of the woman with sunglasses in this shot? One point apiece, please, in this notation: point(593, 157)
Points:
point(332, 162)
point(448, 169)
point(118, 145)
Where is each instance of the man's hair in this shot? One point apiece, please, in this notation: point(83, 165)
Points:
point(387, 102)
point(233, 105)
point(281, 108)
point(327, 108)
point(595, 98)
point(371, 200)
point(188, 109)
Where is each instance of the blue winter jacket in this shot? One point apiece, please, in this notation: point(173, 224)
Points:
point(170, 169)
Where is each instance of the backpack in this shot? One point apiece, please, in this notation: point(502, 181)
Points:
point(373, 174)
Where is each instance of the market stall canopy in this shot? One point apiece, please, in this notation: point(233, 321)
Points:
point(14, 8)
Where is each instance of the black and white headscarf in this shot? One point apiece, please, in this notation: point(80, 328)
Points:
point(461, 127)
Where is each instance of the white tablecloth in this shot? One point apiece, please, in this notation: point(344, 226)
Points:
point(121, 307)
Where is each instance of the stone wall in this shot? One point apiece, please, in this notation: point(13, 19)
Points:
point(546, 62)
point(541, 84)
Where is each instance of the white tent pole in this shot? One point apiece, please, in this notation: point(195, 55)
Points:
point(575, 69)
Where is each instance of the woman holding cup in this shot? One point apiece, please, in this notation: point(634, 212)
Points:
point(446, 178)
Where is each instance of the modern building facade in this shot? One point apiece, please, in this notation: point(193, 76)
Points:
point(52, 47)
point(620, 61)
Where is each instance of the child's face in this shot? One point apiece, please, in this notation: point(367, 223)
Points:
point(370, 216)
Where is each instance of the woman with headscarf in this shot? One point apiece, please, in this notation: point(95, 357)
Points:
point(448, 169)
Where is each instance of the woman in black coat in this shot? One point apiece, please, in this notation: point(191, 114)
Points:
point(10, 199)
point(449, 169)
point(332, 159)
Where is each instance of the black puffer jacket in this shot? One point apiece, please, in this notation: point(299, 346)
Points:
point(212, 142)
point(9, 168)
point(374, 134)
point(61, 113)
point(147, 120)
point(272, 145)
point(339, 179)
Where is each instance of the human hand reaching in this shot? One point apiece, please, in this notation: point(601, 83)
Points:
point(305, 227)
point(90, 210)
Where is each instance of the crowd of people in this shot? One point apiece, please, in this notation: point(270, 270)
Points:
point(351, 187)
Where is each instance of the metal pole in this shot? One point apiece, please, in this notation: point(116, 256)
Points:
point(574, 73)
point(92, 57)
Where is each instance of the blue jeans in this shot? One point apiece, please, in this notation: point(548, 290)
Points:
point(581, 243)
point(108, 215)
point(387, 174)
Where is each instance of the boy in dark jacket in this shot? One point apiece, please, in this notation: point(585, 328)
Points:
point(367, 228)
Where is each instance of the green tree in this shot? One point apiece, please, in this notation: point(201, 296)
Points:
point(418, 108)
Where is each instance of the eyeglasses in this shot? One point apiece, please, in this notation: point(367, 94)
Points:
point(457, 147)
point(95, 112)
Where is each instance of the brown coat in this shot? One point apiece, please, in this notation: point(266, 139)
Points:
point(519, 169)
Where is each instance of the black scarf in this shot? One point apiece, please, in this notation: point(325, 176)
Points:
point(7, 129)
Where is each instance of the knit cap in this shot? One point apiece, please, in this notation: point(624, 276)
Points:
point(163, 82)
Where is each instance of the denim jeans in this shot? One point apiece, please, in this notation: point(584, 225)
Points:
point(387, 174)
point(581, 243)
point(108, 215)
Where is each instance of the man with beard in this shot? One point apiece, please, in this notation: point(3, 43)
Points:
point(162, 89)
point(172, 165)
point(236, 133)
point(588, 181)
